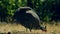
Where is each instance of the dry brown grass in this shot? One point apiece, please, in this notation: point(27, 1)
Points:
point(51, 29)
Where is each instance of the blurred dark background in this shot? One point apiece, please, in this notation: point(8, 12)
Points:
point(48, 10)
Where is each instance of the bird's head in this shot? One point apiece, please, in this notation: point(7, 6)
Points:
point(43, 28)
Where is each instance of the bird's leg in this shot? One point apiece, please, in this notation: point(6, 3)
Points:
point(30, 29)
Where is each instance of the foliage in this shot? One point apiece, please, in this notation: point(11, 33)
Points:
point(42, 7)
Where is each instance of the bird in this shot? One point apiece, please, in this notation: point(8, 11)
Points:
point(27, 17)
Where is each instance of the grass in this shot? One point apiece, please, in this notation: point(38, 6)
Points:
point(19, 29)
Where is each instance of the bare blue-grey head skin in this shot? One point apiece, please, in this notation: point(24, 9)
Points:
point(28, 18)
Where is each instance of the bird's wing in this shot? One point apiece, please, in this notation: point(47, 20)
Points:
point(33, 14)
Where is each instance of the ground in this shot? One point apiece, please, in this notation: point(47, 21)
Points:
point(19, 29)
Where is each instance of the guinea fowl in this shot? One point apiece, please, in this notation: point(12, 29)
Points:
point(28, 18)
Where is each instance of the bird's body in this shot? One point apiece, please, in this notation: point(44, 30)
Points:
point(27, 18)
